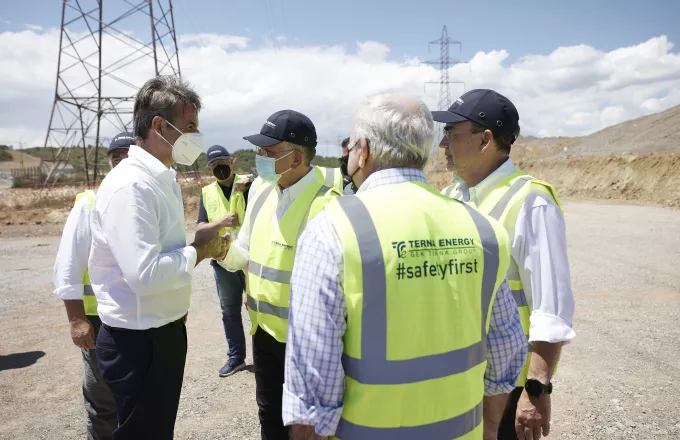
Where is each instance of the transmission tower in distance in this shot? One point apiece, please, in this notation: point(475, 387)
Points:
point(444, 63)
point(103, 47)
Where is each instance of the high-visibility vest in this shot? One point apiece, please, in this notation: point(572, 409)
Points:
point(418, 290)
point(217, 206)
point(332, 177)
point(272, 252)
point(504, 203)
point(89, 300)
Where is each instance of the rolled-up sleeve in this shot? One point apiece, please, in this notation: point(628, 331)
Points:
point(130, 226)
point(540, 249)
point(506, 344)
point(314, 377)
point(74, 247)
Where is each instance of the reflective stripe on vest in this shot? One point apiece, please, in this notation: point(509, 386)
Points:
point(331, 177)
point(89, 300)
point(505, 209)
point(373, 368)
point(371, 375)
point(272, 251)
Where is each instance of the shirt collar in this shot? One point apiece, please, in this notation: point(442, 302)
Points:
point(295, 189)
point(392, 176)
point(483, 188)
point(155, 167)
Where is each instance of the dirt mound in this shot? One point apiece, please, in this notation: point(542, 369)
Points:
point(656, 133)
point(652, 178)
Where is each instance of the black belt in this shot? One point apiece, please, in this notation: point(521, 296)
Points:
point(121, 329)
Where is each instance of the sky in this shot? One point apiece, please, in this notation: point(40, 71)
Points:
point(571, 68)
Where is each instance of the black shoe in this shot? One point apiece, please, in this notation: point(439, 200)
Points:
point(232, 366)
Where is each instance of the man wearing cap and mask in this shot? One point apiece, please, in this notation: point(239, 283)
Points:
point(72, 285)
point(140, 265)
point(276, 215)
point(222, 206)
point(481, 127)
point(347, 184)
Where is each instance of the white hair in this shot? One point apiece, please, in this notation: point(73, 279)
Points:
point(398, 127)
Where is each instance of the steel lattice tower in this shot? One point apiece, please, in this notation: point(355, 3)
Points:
point(444, 62)
point(96, 61)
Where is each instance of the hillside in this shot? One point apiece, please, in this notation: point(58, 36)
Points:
point(656, 133)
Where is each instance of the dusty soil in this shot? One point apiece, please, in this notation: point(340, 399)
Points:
point(618, 380)
point(652, 178)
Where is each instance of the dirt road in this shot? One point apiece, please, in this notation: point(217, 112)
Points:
point(620, 379)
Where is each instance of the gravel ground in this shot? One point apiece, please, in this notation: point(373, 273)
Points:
point(618, 380)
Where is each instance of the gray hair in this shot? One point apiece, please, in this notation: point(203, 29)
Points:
point(161, 96)
point(308, 152)
point(398, 127)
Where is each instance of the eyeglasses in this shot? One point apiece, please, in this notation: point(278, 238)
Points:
point(261, 151)
point(448, 133)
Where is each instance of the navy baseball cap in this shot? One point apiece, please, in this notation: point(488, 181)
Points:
point(285, 126)
point(485, 107)
point(217, 152)
point(121, 141)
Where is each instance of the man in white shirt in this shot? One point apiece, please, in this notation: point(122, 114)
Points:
point(140, 265)
point(481, 127)
point(279, 207)
point(72, 285)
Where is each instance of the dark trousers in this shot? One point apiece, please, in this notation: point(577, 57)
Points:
point(100, 405)
point(230, 287)
point(268, 362)
point(144, 370)
point(506, 430)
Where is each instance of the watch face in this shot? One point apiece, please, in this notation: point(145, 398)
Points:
point(534, 388)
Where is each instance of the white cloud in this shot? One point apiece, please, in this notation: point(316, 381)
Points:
point(208, 40)
point(572, 91)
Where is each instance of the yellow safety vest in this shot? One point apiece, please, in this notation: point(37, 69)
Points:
point(503, 203)
point(418, 290)
point(272, 252)
point(89, 300)
point(332, 177)
point(217, 206)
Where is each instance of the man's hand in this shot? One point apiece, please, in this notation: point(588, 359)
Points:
point(304, 432)
point(82, 333)
point(209, 244)
point(230, 220)
point(241, 186)
point(532, 417)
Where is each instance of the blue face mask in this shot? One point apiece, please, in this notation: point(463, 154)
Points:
point(266, 168)
point(457, 179)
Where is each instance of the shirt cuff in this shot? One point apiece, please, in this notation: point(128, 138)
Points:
point(495, 388)
point(236, 259)
point(298, 412)
point(549, 328)
point(70, 292)
point(190, 254)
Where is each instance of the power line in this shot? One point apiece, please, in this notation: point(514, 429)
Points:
point(444, 63)
point(80, 104)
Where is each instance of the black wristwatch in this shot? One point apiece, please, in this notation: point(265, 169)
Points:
point(535, 388)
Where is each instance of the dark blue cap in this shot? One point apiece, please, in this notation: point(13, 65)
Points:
point(285, 126)
point(217, 152)
point(121, 141)
point(485, 107)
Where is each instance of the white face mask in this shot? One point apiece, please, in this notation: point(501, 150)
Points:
point(187, 147)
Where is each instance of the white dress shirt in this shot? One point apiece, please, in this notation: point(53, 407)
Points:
point(539, 248)
point(140, 266)
point(71, 262)
point(239, 251)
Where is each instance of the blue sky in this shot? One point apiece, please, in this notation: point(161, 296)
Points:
point(521, 27)
point(570, 67)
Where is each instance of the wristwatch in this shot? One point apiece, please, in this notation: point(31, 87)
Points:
point(535, 388)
